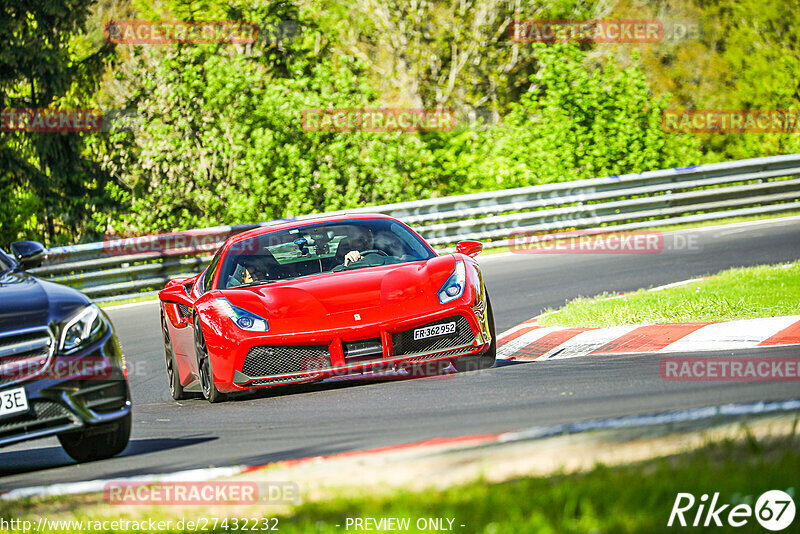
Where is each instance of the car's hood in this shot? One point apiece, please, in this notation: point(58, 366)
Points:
point(28, 301)
point(346, 291)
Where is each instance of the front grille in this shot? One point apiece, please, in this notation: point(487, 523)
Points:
point(439, 356)
point(404, 343)
point(362, 350)
point(280, 360)
point(103, 397)
point(24, 353)
point(44, 414)
point(183, 309)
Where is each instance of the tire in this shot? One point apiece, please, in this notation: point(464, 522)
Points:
point(480, 361)
point(204, 367)
point(171, 363)
point(99, 442)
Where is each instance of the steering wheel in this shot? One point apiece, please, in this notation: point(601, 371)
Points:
point(374, 251)
point(342, 267)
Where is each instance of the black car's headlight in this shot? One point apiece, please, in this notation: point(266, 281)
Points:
point(454, 287)
point(81, 328)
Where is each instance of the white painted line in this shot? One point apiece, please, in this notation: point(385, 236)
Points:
point(494, 256)
point(131, 304)
point(201, 475)
point(740, 334)
point(586, 342)
point(772, 221)
point(95, 486)
point(511, 348)
point(676, 284)
point(653, 419)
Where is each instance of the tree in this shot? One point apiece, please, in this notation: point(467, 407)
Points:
point(221, 138)
point(45, 62)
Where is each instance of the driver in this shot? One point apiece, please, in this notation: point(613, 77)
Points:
point(256, 268)
point(360, 240)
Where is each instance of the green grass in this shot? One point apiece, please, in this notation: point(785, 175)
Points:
point(635, 498)
point(744, 293)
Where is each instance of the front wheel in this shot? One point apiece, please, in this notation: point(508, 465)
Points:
point(171, 363)
point(480, 361)
point(98, 443)
point(204, 366)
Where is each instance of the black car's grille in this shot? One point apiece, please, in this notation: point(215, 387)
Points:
point(404, 343)
point(23, 354)
point(43, 414)
point(102, 397)
point(280, 360)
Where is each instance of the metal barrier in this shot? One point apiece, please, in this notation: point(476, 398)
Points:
point(121, 269)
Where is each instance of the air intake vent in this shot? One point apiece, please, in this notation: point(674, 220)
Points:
point(404, 342)
point(267, 361)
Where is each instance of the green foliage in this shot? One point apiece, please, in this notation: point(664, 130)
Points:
point(220, 138)
point(575, 122)
point(54, 189)
point(746, 55)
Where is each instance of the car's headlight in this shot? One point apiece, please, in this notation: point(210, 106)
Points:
point(243, 318)
point(85, 326)
point(454, 287)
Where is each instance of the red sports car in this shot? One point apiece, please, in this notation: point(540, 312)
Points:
point(318, 298)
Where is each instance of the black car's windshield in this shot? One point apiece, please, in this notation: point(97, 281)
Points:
point(319, 248)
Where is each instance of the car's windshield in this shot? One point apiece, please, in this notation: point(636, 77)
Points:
point(319, 248)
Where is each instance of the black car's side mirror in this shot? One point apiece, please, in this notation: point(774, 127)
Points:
point(29, 254)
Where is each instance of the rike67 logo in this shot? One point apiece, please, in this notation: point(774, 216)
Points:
point(774, 510)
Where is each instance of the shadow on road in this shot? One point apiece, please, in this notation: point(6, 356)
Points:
point(29, 461)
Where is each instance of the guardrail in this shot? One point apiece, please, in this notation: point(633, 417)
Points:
point(122, 269)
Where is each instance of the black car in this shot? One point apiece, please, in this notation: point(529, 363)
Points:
point(62, 371)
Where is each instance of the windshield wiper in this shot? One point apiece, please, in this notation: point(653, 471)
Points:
point(253, 283)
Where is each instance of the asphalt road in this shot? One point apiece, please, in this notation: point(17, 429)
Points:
point(329, 418)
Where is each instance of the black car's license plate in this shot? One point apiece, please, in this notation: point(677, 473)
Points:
point(13, 401)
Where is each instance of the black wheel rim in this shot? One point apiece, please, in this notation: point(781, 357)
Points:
point(202, 360)
point(168, 356)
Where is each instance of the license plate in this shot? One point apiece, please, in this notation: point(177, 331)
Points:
point(435, 330)
point(13, 401)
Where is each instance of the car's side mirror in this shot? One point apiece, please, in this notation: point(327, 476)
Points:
point(469, 248)
point(29, 254)
point(175, 294)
